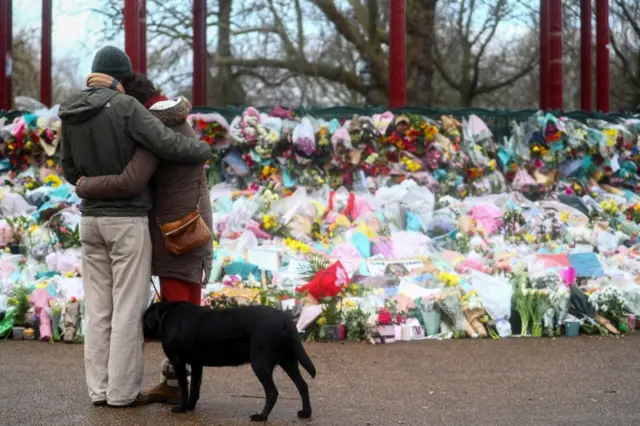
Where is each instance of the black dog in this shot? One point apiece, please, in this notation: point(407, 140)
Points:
point(204, 337)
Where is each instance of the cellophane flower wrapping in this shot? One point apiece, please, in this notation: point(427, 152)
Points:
point(450, 305)
point(560, 301)
point(609, 302)
point(304, 138)
point(495, 294)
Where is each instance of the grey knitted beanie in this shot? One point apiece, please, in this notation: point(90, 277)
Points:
point(113, 62)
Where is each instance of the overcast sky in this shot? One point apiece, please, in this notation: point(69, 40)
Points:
point(75, 28)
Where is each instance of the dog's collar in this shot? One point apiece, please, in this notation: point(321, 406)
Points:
point(161, 320)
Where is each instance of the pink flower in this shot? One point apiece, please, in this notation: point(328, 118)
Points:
point(64, 229)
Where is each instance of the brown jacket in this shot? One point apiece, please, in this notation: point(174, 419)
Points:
point(177, 189)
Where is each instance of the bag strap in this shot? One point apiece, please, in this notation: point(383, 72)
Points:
point(197, 207)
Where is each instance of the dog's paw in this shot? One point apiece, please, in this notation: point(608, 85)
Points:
point(191, 406)
point(258, 418)
point(178, 409)
point(303, 414)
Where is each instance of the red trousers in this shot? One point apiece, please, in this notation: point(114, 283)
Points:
point(173, 290)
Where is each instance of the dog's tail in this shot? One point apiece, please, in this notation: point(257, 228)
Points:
point(303, 358)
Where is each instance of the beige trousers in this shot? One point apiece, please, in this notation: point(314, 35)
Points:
point(116, 270)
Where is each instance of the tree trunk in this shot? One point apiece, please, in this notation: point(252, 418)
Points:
point(420, 39)
point(223, 88)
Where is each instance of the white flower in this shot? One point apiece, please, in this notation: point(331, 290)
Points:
point(605, 308)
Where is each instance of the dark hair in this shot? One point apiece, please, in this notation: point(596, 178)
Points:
point(139, 87)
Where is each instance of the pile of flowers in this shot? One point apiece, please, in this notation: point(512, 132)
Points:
point(383, 228)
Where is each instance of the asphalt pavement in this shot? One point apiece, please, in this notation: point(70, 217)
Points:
point(564, 381)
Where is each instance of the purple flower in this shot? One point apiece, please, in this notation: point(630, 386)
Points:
point(306, 145)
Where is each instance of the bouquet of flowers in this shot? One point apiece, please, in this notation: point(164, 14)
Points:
point(272, 225)
point(304, 143)
point(474, 313)
point(56, 317)
point(451, 307)
point(232, 281)
point(19, 227)
point(560, 301)
point(67, 237)
point(610, 306)
point(632, 212)
point(547, 279)
point(244, 130)
point(211, 128)
point(512, 221)
point(327, 287)
point(217, 300)
point(525, 302)
point(541, 304)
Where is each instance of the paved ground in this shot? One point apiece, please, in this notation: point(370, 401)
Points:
point(579, 381)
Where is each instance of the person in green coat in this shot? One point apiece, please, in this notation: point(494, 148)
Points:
point(101, 127)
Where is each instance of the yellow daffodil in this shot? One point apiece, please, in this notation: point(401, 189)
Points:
point(53, 181)
point(321, 321)
point(350, 304)
point(297, 246)
point(342, 220)
point(564, 216)
point(529, 238)
point(492, 165)
point(449, 279)
point(50, 163)
point(269, 221)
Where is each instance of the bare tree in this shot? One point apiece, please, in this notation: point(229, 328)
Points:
point(26, 70)
point(298, 51)
point(625, 42)
point(467, 48)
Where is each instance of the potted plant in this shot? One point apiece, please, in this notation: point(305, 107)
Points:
point(332, 327)
point(20, 301)
point(385, 327)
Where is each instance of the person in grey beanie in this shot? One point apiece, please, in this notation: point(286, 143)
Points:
point(101, 127)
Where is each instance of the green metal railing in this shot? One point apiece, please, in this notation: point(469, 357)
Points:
point(499, 121)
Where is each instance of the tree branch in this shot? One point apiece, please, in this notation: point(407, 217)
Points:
point(337, 74)
point(344, 28)
point(486, 88)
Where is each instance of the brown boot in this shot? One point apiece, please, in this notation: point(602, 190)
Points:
point(164, 394)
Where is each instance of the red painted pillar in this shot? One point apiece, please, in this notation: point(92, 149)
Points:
point(6, 62)
point(397, 54)
point(603, 82)
point(555, 54)
point(544, 54)
point(586, 102)
point(200, 72)
point(142, 33)
point(45, 54)
point(132, 32)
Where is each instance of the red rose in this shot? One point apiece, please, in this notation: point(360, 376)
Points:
point(384, 317)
